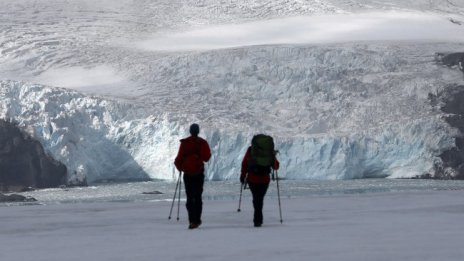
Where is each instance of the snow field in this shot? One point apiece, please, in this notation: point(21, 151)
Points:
point(316, 29)
point(390, 226)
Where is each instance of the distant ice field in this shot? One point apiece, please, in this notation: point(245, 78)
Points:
point(317, 29)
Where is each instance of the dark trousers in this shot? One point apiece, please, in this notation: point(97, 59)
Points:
point(258, 191)
point(194, 190)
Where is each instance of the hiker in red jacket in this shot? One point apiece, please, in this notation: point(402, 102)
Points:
point(258, 179)
point(193, 152)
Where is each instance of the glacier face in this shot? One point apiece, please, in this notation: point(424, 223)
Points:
point(106, 140)
point(368, 117)
point(336, 111)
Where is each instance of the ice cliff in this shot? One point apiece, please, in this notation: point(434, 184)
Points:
point(366, 115)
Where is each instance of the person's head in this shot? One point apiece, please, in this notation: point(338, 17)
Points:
point(194, 129)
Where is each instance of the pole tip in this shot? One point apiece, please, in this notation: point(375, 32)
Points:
point(238, 210)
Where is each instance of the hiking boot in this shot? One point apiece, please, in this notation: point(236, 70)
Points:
point(258, 224)
point(193, 226)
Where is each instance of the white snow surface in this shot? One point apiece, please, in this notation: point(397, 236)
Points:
point(371, 26)
point(414, 226)
point(341, 85)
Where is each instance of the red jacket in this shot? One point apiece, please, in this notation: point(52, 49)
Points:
point(261, 178)
point(193, 152)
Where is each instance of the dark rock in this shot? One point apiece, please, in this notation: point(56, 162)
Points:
point(454, 21)
point(458, 122)
point(15, 198)
point(24, 163)
point(452, 98)
point(454, 102)
point(153, 192)
point(424, 176)
point(451, 59)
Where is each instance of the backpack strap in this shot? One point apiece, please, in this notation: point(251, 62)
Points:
point(197, 148)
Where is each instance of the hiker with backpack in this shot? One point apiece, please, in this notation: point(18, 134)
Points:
point(257, 163)
point(193, 153)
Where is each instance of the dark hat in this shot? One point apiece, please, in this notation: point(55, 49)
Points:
point(194, 129)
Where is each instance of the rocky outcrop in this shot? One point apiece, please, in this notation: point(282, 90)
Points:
point(451, 102)
point(451, 59)
point(452, 161)
point(24, 163)
point(15, 198)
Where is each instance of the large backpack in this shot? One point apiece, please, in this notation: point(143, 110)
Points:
point(262, 154)
point(192, 163)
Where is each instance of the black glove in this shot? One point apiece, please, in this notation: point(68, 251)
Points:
point(242, 179)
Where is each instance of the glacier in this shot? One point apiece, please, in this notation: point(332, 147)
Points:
point(343, 128)
point(113, 111)
point(101, 139)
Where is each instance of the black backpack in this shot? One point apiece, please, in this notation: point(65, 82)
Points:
point(262, 154)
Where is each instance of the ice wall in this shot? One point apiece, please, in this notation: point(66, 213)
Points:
point(94, 138)
point(336, 112)
point(109, 140)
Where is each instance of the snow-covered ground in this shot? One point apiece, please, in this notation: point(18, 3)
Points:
point(110, 86)
point(387, 226)
point(343, 86)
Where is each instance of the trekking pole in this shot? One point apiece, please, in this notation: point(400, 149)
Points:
point(180, 189)
point(174, 198)
point(242, 186)
point(278, 195)
point(240, 199)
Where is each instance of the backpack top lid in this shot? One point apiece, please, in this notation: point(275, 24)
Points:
point(262, 150)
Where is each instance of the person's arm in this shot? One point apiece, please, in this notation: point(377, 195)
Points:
point(276, 164)
point(179, 157)
point(205, 151)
